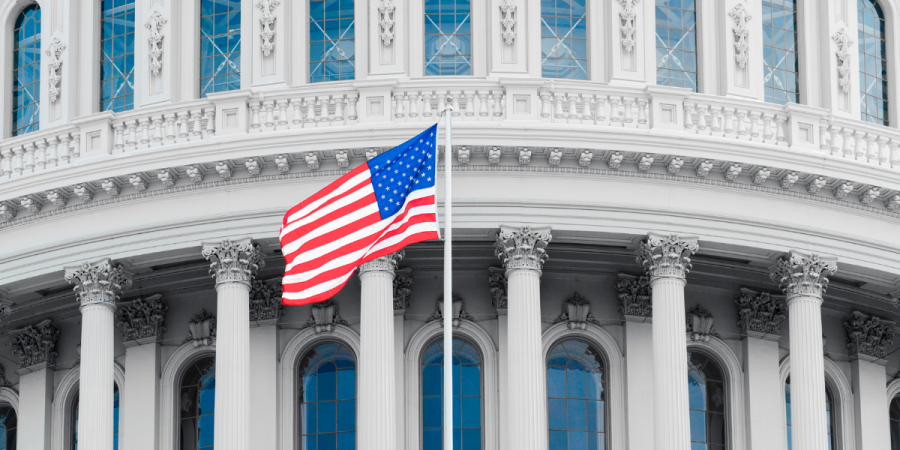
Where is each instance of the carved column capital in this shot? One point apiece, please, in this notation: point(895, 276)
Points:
point(265, 301)
point(35, 345)
point(759, 314)
point(803, 274)
point(233, 262)
point(522, 248)
point(387, 263)
point(403, 281)
point(868, 336)
point(635, 296)
point(667, 256)
point(100, 282)
point(497, 280)
point(143, 321)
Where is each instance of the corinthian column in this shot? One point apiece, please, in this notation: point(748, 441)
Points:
point(667, 260)
point(522, 251)
point(803, 277)
point(97, 287)
point(233, 265)
point(377, 406)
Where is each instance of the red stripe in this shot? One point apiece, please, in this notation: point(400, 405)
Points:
point(326, 190)
point(361, 244)
point(316, 298)
point(324, 221)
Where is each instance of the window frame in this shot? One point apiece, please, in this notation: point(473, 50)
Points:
point(889, 58)
point(297, 429)
point(799, 42)
point(473, 4)
point(606, 382)
point(305, 40)
point(726, 389)
point(700, 49)
point(97, 79)
point(198, 42)
point(180, 385)
point(588, 23)
point(10, 85)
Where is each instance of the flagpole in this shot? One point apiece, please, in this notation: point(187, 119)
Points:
point(448, 284)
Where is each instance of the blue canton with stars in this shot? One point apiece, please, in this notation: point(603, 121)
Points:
point(398, 172)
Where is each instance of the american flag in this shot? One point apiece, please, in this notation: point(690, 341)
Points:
point(374, 210)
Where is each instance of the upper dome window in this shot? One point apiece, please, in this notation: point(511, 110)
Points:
point(332, 51)
point(27, 71)
point(564, 39)
point(873, 85)
point(117, 59)
point(676, 43)
point(220, 46)
point(780, 51)
point(448, 37)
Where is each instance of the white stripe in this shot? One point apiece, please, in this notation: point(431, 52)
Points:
point(319, 288)
point(293, 246)
point(340, 261)
point(337, 244)
point(344, 188)
point(394, 240)
point(355, 196)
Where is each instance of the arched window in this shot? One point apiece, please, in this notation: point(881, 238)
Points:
point(706, 397)
point(328, 398)
point(8, 423)
point(197, 404)
point(564, 39)
point(576, 397)
point(467, 423)
point(75, 420)
point(448, 37)
point(220, 46)
point(829, 414)
point(676, 43)
point(895, 423)
point(27, 71)
point(780, 51)
point(873, 85)
point(332, 50)
point(117, 60)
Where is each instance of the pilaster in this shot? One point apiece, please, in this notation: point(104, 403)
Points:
point(142, 322)
point(388, 36)
point(157, 68)
point(628, 46)
point(35, 346)
point(867, 340)
point(268, 42)
point(635, 296)
point(63, 61)
point(508, 39)
point(403, 281)
point(500, 300)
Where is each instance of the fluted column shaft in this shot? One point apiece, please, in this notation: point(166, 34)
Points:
point(670, 382)
point(96, 382)
point(377, 405)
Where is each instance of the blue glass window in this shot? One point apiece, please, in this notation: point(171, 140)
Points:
point(676, 43)
point(328, 398)
point(564, 39)
point(706, 397)
point(873, 96)
point(26, 99)
point(197, 404)
point(576, 398)
point(117, 61)
point(220, 46)
point(448, 37)
point(829, 415)
point(75, 422)
point(8, 424)
point(332, 50)
point(780, 51)
point(466, 396)
point(895, 423)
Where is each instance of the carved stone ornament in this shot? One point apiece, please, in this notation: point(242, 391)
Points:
point(143, 319)
point(868, 335)
point(7, 212)
point(100, 282)
point(700, 324)
point(522, 248)
point(265, 301)
point(4, 382)
point(323, 316)
point(508, 21)
point(267, 23)
point(387, 263)
point(459, 311)
point(35, 344)
point(759, 313)
point(627, 17)
point(844, 47)
point(155, 25)
point(497, 280)
point(804, 274)
point(741, 17)
point(667, 256)
point(403, 282)
point(386, 21)
point(202, 329)
point(576, 310)
point(233, 262)
point(54, 51)
point(635, 296)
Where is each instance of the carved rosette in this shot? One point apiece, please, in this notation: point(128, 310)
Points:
point(868, 335)
point(459, 311)
point(54, 62)
point(155, 25)
point(759, 313)
point(202, 329)
point(699, 324)
point(143, 318)
point(98, 283)
point(403, 282)
point(324, 316)
point(844, 47)
point(265, 301)
point(576, 312)
point(635, 296)
point(35, 344)
point(667, 256)
point(804, 274)
point(233, 262)
point(627, 17)
point(386, 21)
point(740, 16)
point(267, 24)
point(387, 263)
point(522, 248)
point(508, 21)
point(497, 280)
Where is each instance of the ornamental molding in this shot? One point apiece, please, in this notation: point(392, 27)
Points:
point(233, 262)
point(759, 313)
point(741, 17)
point(265, 301)
point(35, 345)
point(635, 296)
point(143, 320)
point(522, 248)
point(267, 22)
point(868, 335)
point(324, 316)
point(4, 382)
point(98, 283)
point(155, 24)
point(387, 263)
point(508, 20)
point(667, 256)
point(54, 51)
point(627, 19)
point(202, 329)
point(458, 310)
point(699, 324)
point(803, 274)
point(843, 52)
point(403, 281)
point(498, 283)
point(576, 312)
point(386, 21)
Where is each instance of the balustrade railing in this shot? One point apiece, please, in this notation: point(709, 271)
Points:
point(732, 119)
point(287, 111)
point(476, 103)
point(599, 106)
point(855, 140)
point(141, 129)
point(38, 151)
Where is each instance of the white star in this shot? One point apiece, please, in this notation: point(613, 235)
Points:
point(385, 208)
point(429, 178)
